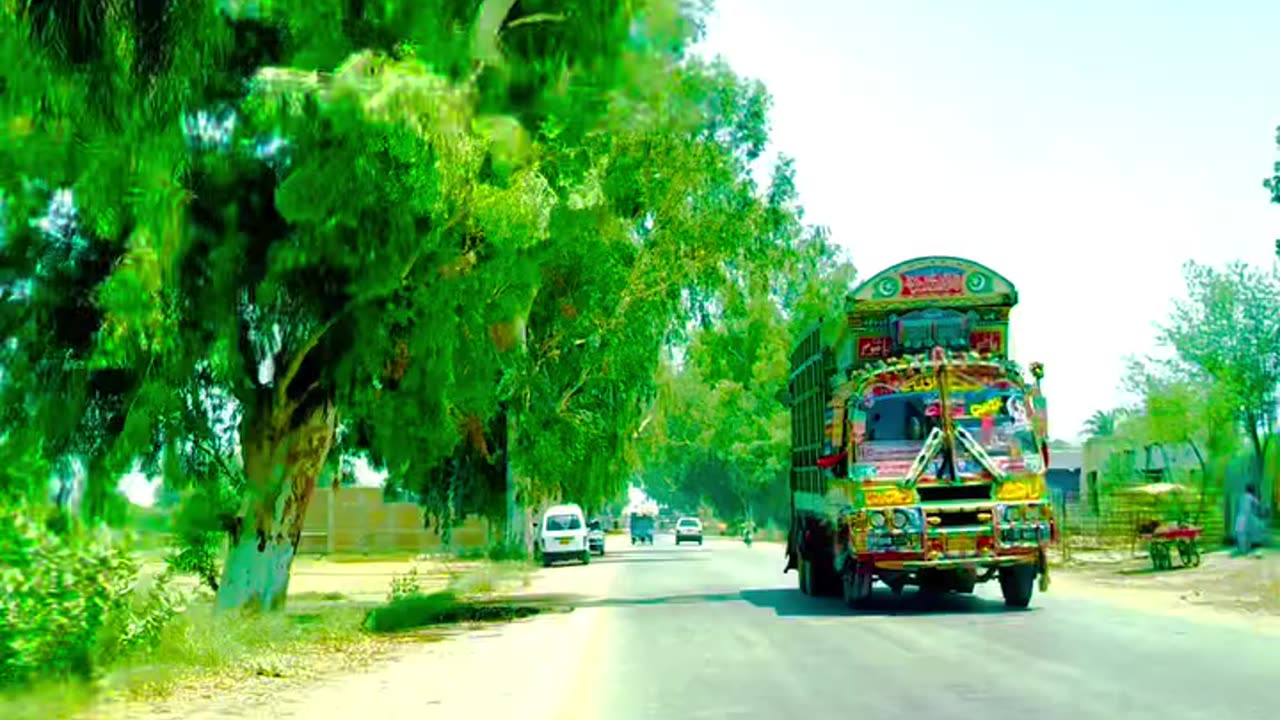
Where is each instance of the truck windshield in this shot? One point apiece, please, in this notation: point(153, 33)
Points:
point(900, 414)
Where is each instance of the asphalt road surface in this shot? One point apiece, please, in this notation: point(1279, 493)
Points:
point(717, 631)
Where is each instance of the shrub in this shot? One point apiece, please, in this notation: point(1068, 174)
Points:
point(58, 592)
point(70, 601)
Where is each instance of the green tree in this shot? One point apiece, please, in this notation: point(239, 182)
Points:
point(1102, 423)
point(1227, 331)
point(1183, 408)
point(368, 226)
point(721, 434)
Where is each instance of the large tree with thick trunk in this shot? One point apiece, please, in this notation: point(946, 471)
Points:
point(449, 234)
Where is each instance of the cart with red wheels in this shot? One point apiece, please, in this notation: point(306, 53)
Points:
point(1163, 542)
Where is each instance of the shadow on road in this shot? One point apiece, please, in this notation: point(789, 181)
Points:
point(787, 602)
point(648, 556)
point(583, 601)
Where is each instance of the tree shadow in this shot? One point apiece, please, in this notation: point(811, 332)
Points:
point(584, 601)
point(1148, 570)
point(628, 558)
point(786, 602)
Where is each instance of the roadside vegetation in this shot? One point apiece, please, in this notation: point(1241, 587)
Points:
point(241, 244)
point(1203, 413)
point(93, 624)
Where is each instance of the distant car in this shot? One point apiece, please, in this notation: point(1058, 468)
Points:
point(595, 537)
point(562, 535)
point(688, 529)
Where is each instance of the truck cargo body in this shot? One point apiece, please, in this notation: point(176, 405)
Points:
point(918, 448)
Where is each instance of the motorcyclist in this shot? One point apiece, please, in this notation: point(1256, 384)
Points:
point(748, 529)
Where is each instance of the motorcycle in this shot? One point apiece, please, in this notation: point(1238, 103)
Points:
point(746, 537)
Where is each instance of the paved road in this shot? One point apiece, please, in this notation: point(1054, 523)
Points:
point(717, 632)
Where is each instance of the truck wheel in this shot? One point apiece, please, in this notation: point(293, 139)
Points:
point(826, 581)
point(933, 582)
point(586, 557)
point(963, 582)
point(1017, 583)
point(856, 588)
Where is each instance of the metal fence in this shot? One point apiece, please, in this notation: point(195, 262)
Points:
point(1112, 526)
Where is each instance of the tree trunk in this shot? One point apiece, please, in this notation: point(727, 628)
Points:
point(283, 458)
point(516, 533)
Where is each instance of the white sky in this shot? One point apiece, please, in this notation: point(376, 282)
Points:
point(1084, 149)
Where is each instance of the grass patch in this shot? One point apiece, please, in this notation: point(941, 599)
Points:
point(447, 607)
point(200, 653)
point(200, 646)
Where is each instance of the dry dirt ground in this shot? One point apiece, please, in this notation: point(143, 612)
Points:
point(1225, 588)
point(316, 582)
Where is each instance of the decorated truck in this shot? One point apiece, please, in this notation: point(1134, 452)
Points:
point(918, 447)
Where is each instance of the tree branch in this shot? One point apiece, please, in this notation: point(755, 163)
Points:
point(296, 358)
point(216, 457)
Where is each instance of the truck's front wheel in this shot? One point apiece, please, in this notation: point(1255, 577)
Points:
point(1017, 583)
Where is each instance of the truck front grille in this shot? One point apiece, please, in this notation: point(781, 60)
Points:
point(960, 518)
point(949, 493)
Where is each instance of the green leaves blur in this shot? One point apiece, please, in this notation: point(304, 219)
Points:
point(440, 216)
point(719, 434)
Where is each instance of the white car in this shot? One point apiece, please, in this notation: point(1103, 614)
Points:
point(689, 529)
point(562, 535)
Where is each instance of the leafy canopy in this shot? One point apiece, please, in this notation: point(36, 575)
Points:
point(225, 220)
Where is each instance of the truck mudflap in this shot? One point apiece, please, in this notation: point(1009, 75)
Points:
point(1042, 569)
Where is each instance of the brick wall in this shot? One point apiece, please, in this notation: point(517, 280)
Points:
point(358, 520)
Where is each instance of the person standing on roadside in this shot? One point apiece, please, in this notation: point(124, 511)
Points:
point(1246, 514)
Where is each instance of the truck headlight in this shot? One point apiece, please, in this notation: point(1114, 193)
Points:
point(877, 521)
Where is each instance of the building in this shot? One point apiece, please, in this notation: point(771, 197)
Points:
point(1116, 461)
point(1063, 475)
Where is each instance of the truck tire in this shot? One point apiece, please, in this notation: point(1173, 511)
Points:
point(826, 581)
point(1017, 583)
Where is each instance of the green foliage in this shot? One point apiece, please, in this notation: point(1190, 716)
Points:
point(1228, 331)
point(1103, 423)
point(405, 585)
point(417, 610)
point(720, 431)
point(60, 595)
point(476, 215)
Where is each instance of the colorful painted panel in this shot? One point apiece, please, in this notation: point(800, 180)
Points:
point(937, 278)
point(871, 348)
point(987, 341)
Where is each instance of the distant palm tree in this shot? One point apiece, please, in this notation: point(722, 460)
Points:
point(1103, 423)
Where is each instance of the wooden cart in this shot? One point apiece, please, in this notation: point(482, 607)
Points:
point(1167, 535)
